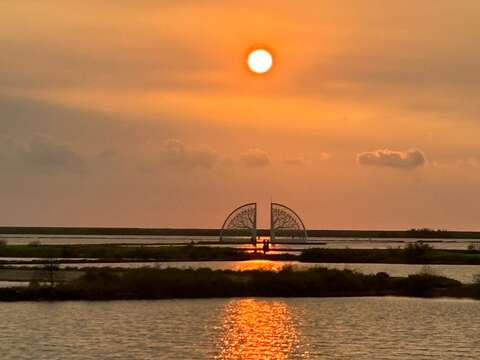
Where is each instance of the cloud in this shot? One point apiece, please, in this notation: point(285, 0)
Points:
point(325, 156)
point(255, 158)
point(44, 152)
point(228, 161)
point(390, 158)
point(176, 154)
point(301, 160)
point(467, 162)
point(296, 161)
point(40, 154)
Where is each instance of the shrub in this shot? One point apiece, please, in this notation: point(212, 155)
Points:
point(415, 251)
point(34, 284)
point(427, 271)
point(476, 279)
point(474, 247)
point(424, 284)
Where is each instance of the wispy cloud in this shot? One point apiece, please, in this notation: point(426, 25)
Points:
point(256, 158)
point(39, 154)
point(295, 161)
point(177, 154)
point(391, 158)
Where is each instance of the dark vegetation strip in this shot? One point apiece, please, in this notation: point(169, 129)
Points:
point(412, 254)
point(150, 283)
point(91, 231)
point(143, 253)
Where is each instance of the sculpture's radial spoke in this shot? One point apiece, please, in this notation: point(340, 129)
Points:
point(286, 223)
point(241, 222)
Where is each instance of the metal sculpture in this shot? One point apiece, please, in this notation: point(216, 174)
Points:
point(241, 222)
point(284, 222)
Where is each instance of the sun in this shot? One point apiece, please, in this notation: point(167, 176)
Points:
point(260, 61)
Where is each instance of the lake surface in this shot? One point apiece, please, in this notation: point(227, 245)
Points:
point(298, 328)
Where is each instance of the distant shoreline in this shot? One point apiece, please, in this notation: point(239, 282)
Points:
point(124, 231)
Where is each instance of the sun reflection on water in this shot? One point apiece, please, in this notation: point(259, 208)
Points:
point(267, 265)
point(255, 329)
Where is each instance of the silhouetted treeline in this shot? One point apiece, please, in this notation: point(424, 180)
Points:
point(413, 253)
point(109, 231)
point(120, 252)
point(151, 283)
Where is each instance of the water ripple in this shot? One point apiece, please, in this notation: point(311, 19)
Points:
point(333, 328)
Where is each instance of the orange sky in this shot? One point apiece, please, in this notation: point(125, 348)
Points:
point(143, 113)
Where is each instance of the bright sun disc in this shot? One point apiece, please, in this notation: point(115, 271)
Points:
point(260, 61)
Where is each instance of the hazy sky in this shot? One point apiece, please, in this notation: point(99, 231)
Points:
point(143, 113)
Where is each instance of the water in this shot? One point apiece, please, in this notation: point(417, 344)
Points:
point(322, 328)
point(353, 243)
point(7, 284)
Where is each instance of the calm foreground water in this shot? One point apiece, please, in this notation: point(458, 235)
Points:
point(329, 328)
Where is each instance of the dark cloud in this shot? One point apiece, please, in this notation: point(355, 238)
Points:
point(45, 153)
point(255, 158)
point(228, 161)
point(175, 153)
point(40, 154)
point(298, 161)
point(390, 158)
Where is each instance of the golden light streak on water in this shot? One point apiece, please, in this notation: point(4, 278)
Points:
point(256, 329)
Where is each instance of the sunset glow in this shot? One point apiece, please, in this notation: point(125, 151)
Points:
point(255, 329)
point(334, 109)
point(239, 179)
point(260, 61)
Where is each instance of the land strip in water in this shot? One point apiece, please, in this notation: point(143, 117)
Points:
point(119, 253)
point(410, 254)
point(416, 253)
point(151, 283)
